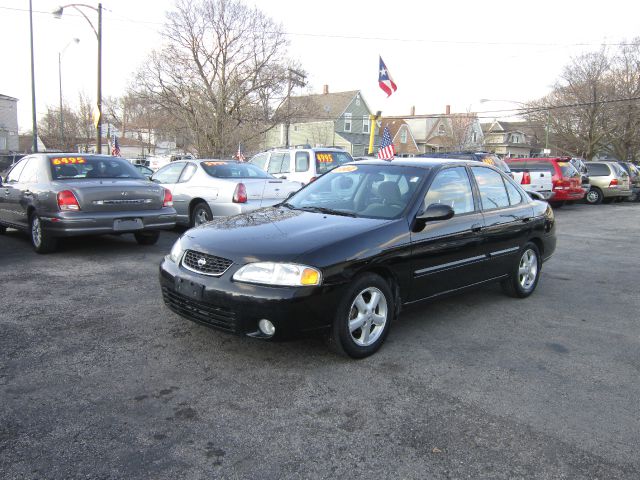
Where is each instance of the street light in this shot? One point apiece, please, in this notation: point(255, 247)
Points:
point(58, 14)
point(60, 53)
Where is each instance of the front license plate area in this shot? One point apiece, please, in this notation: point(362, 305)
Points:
point(125, 224)
point(188, 288)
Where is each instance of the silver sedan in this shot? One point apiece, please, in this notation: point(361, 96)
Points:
point(203, 189)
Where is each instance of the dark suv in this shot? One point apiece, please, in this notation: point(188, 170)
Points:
point(634, 179)
point(484, 157)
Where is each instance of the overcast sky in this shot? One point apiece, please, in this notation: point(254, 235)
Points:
point(439, 53)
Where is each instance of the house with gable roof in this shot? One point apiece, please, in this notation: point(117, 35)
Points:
point(338, 119)
point(513, 139)
point(401, 136)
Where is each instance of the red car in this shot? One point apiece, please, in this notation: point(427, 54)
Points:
point(567, 182)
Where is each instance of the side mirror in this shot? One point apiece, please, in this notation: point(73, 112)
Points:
point(434, 212)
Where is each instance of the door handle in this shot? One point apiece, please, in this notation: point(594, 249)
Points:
point(476, 227)
point(526, 219)
point(28, 192)
point(6, 191)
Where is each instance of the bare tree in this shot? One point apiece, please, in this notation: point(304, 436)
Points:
point(221, 72)
point(460, 131)
point(576, 109)
point(624, 138)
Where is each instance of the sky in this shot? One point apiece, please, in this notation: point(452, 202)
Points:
point(441, 53)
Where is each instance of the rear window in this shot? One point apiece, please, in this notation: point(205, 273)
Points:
point(598, 170)
point(233, 170)
point(534, 166)
point(81, 167)
point(326, 161)
point(568, 170)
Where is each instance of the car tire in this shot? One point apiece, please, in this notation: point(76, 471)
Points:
point(525, 273)
point(147, 238)
point(559, 204)
point(42, 241)
point(201, 213)
point(3, 229)
point(363, 317)
point(594, 196)
point(619, 199)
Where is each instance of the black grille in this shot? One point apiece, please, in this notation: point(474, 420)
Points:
point(212, 265)
point(214, 316)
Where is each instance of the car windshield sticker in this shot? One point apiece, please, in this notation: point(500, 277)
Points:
point(68, 160)
point(213, 164)
point(345, 169)
point(324, 157)
point(562, 164)
point(488, 161)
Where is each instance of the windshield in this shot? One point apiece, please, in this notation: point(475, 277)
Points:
point(325, 161)
point(81, 167)
point(233, 170)
point(375, 191)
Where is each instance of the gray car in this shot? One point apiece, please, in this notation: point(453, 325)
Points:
point(61, 195)
point(203, 189)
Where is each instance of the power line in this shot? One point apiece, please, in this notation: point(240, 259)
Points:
point(387, 39)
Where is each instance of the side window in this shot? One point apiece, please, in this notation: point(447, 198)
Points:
point(451, 187)
point(286, 160)
point(598, 170)
point(275, 164)
point(302, 161)
point(14, 173)
point(515, 197)
point(188, 172)
point(30, 172)
point(169, 173)
point(260, 160)
point(493, 194)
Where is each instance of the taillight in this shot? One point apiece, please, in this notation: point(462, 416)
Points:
point(168, 198)
point(240, 194)
point(526, 179)
point(67, 201)
point(613, 182)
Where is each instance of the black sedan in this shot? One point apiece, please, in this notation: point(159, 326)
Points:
point(62, 195)
point(346, 252)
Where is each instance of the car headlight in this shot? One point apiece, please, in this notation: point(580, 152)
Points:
point(280, 274)
point(176, 251)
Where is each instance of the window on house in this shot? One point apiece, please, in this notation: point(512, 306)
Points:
point(3, 143)
point(347, 122)
point(441, 130)
point(366, 124)
point(403, 135)
point(358, 101)
point(474, 137)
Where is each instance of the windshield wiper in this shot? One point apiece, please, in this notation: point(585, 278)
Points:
point(330, 211)
point(288, 205)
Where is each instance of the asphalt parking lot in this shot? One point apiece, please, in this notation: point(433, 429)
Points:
point(99, 380)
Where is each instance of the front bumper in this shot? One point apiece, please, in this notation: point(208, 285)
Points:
point(68, 224)
point(236, 307)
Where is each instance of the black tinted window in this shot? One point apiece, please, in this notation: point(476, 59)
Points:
point(598, 169)
point(92, 167)
point(536, 166)
point(568, 170)
point(325, 161)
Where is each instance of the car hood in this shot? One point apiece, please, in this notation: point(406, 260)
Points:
point(274, 233)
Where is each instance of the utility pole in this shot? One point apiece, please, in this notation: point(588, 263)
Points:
point(34, 147)
point(372, 129)
point(294, 78)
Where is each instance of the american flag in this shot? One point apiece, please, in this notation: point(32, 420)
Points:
point(384, 79)
point(387, 150)
point(115, 151)
point(239, 155)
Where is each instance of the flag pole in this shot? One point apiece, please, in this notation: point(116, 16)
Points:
point(372, 130)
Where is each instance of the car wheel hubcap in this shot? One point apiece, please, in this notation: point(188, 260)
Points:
point(36, 232)
point(201, 216)
point(528, 269)
point(368, 316)
point(592, 196)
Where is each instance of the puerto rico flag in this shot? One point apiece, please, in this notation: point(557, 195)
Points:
point(385, 81)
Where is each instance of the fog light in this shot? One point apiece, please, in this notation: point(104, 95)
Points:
point(266, 327)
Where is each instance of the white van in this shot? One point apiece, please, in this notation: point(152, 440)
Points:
point(302, 165)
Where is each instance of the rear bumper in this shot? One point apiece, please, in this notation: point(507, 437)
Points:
point(573, 194)
point(68, 224)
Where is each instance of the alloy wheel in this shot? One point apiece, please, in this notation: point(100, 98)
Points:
point(528, 269)
point(201, 216)
point(368, 316)
point(36, 231)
